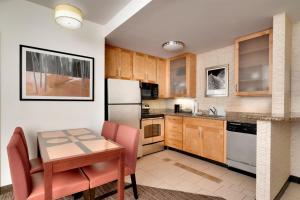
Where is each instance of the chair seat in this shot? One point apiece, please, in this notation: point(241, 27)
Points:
point(64, 184)
point(36, 165)
point(104, 172)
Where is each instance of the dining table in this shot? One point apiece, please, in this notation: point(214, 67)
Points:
point(63, 150)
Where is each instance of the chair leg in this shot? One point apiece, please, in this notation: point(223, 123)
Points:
point(92, 193)
point(86, 195)
point(134, 187)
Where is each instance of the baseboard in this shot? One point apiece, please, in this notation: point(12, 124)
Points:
point(242, 172)
point(5, 189)
point(294, 179)
point(282, 190)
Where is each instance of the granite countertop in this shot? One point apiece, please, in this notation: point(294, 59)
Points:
point(232, 116)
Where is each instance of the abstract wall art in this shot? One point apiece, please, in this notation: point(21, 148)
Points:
point(55, 76)
point(217, 81)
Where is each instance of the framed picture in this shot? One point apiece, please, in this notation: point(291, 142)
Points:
point(217, 81)
point(55, 76)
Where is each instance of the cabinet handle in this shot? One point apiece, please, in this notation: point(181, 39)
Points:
point(236, 87)
point(119, 71)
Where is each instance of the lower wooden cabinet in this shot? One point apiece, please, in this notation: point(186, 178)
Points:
point(192, 136)
point(173, 132)
point(203, 137)
point(213, 140)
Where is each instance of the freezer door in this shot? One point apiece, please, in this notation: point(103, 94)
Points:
point(123, 91)
point(125, 114)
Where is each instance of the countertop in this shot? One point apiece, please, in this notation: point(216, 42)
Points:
point(232, 116)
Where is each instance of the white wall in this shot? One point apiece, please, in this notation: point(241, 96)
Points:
point(295, 103)
point(22, 22)
point(231, 102)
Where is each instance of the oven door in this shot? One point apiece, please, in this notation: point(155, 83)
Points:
point(147, 131)
point(158, 128)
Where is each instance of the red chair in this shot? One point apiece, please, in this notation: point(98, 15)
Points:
point(31, 187)
point(109, 130)
point(36, 164)
point(105, 172)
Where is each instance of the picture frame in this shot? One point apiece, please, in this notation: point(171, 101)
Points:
point(49, 75)
point(216, 81)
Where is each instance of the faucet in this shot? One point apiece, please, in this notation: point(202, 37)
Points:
point(213, 110)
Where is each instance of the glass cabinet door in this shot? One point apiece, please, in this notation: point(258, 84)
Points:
point(178, 77)
point(254, 64)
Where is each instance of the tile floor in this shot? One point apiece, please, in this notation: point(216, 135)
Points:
point(160, 170)
point(172, 170)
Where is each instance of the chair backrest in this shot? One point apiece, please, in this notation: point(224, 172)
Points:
point(128, 137)
point(20, 131)
point(19, 170)
point(109, 130)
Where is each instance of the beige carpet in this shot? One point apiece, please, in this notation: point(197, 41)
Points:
point(145, 193)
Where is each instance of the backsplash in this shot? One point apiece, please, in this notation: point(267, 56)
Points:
point(186, 103)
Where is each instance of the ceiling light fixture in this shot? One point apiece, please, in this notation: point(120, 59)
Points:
point(173, 45)
point(68, 16)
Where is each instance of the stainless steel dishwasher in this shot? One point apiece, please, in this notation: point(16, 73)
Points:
point(241, 146)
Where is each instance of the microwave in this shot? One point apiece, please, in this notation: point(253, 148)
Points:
point(149, 91)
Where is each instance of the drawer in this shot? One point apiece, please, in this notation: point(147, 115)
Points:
point(174, 143)
point(176, 135)
point(174, 119)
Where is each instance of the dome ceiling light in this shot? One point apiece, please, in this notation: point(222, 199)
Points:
point(68, 16)
point(173, 45)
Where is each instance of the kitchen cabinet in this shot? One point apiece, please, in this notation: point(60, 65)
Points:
point(162, 77)
point(144, 67)
point(192, 136)
point(150, 69)
point(111, 62)
point(139, 66)
point(183, 75)
point(173, 131)
point(202, 137)
point(126, 63)
point(213, 140)
point(253, 64)
point(118, 63)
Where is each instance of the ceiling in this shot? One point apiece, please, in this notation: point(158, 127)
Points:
point(202, 24)
point(98, 11)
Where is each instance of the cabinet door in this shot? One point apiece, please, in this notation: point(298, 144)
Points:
point(213, 141)
point(173, 132)
point(178, 77)
point(253, 64)
point(126, 62)
point(112, 62)
point(162, 77)
point(151, 69)
point(192, 136)
point(139, 62)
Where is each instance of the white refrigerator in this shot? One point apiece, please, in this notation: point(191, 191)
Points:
point(123, 103)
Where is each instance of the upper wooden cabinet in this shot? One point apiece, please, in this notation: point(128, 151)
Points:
point(176, 76)
point(183, 75)
point(126, 63)
point(162, 77)
point(118, 63)
point(253, 64)
point(150, 69)
point(139, 66)
point(112, 58)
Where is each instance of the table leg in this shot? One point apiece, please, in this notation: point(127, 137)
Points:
point(121, 177)
point(48, 173)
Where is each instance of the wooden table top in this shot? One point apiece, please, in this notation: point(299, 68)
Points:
point(63, 144)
